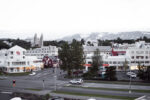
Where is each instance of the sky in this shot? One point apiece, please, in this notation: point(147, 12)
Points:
point(59, 18)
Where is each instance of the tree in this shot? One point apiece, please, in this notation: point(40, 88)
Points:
point(82, 42)
point(77, 55)
point(65, 57)
point(89, 43)
point(144, 72)
point(110, 73)
point(71, 56)
point(96, 63)
point(125, 65)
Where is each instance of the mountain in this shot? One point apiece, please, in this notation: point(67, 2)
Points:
point(108, 36)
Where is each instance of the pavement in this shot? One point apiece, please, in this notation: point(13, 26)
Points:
point(36, 82)
point(102, 92)
point(79, 97)
point(116, 86)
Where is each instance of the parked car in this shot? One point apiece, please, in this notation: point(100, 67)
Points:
point(16, 98)
point(91, 99)
point(3, 77)
point(131, 74)
point(56, 98)
point(76, 81)
point(33, 73)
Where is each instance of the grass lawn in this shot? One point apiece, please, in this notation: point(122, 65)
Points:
point(95, 95)
point(117, 82)
point(112, 89)
point(17, 74)
point(33, 89)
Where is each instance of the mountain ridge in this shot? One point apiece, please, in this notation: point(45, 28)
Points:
point(108, 35)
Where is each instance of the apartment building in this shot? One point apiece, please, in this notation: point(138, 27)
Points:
point(14, 60)
point(43, 51)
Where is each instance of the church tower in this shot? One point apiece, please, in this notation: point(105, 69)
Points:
point(41, 41)
point(35, 40)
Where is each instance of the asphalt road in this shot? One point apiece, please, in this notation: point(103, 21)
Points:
point(36, 82)
point(103, 92)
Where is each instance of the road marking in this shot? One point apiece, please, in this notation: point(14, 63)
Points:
point(6, 92)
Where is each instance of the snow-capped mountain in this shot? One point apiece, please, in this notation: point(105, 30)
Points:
point(108, 36)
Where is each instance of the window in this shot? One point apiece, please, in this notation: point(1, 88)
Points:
point(132, 61)
point(114, 62)
point(5, 54)
point(23, 52)
point(146, 61)
point(23, 57)
point(11, 69)
point(11, 52)
point(8, 63)
point(11, 57)
point(89, 62)
point(132, 57)
point(146, 57)
point(110, 62)
point(146, 52)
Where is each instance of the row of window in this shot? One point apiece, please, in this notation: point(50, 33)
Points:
point(140, 62)
point(113, 62)
point(12, 52)
point(39, 55)
point(18, 63)
point(140, 57)
point(13, 57)
point(140, 52)
point(41, 51)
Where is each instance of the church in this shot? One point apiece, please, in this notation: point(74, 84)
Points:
point(37, 42)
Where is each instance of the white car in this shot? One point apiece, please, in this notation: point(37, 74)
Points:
point(76, 81)
point(16, 98)
point(91, 99)
point(131, 74)
point(33, 73)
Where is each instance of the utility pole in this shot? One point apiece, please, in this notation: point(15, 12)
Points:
point(130, 82)
point(55, 78)
point(43, 84)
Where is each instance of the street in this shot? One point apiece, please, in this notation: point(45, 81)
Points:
point(36, 82)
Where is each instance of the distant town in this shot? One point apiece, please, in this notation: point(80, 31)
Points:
point(121, 61)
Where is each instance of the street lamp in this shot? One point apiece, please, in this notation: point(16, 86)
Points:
point(130, 79)
point(55, 77)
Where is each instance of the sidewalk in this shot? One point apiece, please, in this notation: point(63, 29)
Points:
point(79, 97)
point(116, 86)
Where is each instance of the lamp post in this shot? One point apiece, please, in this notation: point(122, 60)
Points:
point(55, 77)
point(130, 80)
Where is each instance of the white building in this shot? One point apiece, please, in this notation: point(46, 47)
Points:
point(89, 52)
point(134, 54)
point(14, 60)
point(138, 53)
point(43, 51)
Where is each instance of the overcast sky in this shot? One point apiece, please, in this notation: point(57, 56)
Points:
point(58, 18)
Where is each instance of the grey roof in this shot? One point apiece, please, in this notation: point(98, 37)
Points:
point(93, 48)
